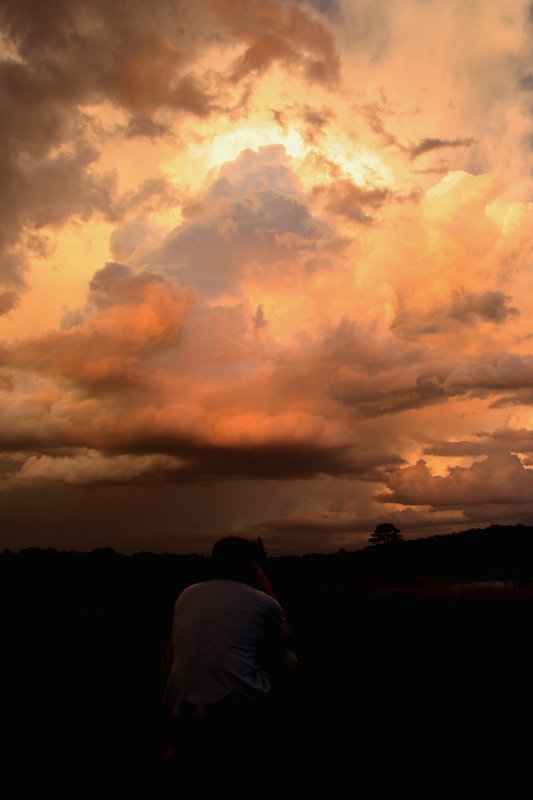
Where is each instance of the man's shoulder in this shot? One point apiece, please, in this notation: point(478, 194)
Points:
point(239, 588)
point(267, 603)
point(191, 592)
point(226, 589)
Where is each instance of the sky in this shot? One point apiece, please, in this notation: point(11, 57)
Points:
point(265, 269)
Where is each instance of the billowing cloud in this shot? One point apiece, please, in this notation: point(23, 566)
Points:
point(60, 59)
point(272, 32)
point(501, 440)
point(354, 202)
point(488, 306)
point(250, 220)
point(463, 308)
point(500, 479)
point(127, 316)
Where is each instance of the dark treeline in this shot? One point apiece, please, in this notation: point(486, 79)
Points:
point(423, 642)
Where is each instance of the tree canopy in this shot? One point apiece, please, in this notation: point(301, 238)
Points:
point(386, 533)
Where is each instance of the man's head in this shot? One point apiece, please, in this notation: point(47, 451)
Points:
point(234, 558)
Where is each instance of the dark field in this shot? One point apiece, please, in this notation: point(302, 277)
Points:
point(427, 680)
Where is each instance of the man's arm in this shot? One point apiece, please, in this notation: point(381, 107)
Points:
point(262, 583)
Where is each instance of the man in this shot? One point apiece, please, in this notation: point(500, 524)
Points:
point(225, 632)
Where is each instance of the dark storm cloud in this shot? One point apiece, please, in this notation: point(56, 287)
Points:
point(521, 397)
point(145, 127)
point(427, 145)
point(465, 308)
point(365, 371)
point(50, 190)
point(375, 375)
point(345, 198)
point(272, 461)
point(127, 52)
point(139, 458)
point(427, 389)
point(487, 306)
point(517, 440)
point(526, 82)
point(279, 32)
point(496, 374)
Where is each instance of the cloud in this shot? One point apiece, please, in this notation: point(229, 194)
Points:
point(526, 82)
point(160, 363)
point(54, 189)
point(501, 440)
point(8, 300)
point(345, 198)
point(272, 460)
point(279, 32)
point(520, 397)
point(487, 306)
point(374, 373)
point(328, 7)
point(88, 468)
point(315, 122)
point(427, 145)
point(66, 55)
point(85, 47)
point(151, 451)
point(149, 368)
point(133, 237)
point(134, 56)
point(495, 374)
point(253, 218)
point(144, 126)
point(464, 308)
point(151, 195)
point(499, 479)
point(127, 316)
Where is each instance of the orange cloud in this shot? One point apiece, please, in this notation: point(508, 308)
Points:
point(499, 479)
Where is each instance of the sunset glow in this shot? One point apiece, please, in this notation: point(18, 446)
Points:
point(266, 268)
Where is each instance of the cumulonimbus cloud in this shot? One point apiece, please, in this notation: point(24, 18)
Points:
point(501, 479)
point(66, 56)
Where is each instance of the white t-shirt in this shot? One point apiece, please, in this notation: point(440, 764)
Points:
point(218, 631)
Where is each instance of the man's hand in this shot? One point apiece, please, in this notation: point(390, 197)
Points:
point(260, 580)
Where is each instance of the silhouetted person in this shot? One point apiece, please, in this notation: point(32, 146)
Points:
point(225, 632)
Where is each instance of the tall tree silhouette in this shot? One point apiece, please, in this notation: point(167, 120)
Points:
point(386, 533)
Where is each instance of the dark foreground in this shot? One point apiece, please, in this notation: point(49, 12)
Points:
point(405, 688)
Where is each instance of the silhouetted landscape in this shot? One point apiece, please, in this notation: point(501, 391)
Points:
point(421, 648)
